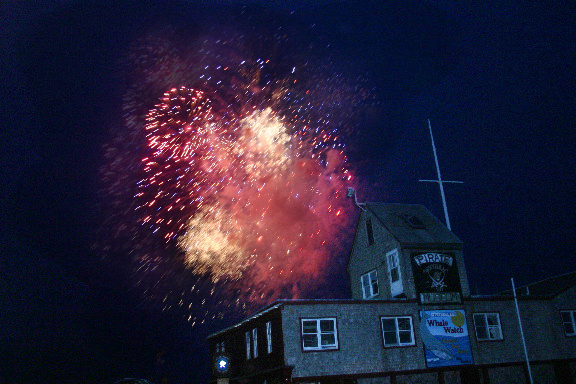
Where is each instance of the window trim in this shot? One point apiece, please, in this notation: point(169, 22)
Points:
point(393, 254)
point(572, 312)
point(412, 333)
point(255, 342)
point(487, 326)
point(320, 349)
point(396, 287)
point(372, 294)
point(269, 337)
point(248, 346)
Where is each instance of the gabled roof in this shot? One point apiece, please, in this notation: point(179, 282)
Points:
point(261, 312)
point(550, 287)
point(412, 223)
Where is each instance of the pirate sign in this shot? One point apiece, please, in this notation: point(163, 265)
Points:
point(437, 273)
point(436, 278)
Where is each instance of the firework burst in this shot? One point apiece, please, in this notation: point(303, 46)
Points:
point(229, 169)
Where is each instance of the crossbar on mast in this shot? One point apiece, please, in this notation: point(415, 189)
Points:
point(440, 181)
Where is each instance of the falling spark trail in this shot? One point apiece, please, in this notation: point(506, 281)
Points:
point(226, 185)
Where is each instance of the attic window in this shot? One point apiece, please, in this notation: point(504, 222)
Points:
point(369, 231)
point(414, 222)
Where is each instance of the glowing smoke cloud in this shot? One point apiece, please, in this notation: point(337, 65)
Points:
point(238, 175)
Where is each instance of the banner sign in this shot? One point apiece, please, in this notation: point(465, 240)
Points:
point(445, 338)
point(436, 278)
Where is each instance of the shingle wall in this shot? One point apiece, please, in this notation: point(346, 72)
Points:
point(361, 349)
point(374, 380)
point(360, 340)
point(419, 378)
point(367, 257)
point(513, 374)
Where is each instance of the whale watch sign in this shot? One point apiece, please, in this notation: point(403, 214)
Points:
point(436, 278)
point(445, 338)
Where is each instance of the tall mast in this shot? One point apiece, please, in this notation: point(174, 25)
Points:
point(439, 180)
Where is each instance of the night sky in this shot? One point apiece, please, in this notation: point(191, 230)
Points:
point(497, 81)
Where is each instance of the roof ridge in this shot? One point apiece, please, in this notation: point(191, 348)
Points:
point(547, 278)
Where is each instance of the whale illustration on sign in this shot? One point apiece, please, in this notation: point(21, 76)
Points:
point(444, 334)
point(431, 343)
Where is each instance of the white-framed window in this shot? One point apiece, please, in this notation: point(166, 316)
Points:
point(319, 334)
point(220, 347)
point(255, 342)
point(397, 331)
point(248, 346)
point(393, 266)
point(393, 263)
point(369, 283)
point(269, 337)
point(487, 326)
point(569, 320)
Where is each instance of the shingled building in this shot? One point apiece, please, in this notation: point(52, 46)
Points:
point(411, 319)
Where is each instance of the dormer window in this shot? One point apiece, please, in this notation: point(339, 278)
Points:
point(369, 231)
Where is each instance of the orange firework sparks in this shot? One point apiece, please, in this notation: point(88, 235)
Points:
point(224, 177)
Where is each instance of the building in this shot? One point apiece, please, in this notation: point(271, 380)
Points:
point(411, 319)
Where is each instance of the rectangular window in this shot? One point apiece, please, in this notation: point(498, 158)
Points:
point(319, 334)
point(369, 231)
point(255, 342)
point(269, 336)
point(248, 347)
point(393, 267)
point(220, 347)
point(393, 263)
point(397, 331)
point(569, 320)
point(369, 284)
point(487, 326)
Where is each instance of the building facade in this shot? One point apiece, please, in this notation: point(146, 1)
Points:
point(411, 319)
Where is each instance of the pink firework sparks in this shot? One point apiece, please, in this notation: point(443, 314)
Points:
point(237, 177)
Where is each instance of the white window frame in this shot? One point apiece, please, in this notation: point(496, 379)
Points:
point(397, 331)
point(571, 322)
point(369, 283)
point(248, 346)
point(481, 321)
point(255, 342)
point(393, 262)
point(319, 333)
point(269, 337)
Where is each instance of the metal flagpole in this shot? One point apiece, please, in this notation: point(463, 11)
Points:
point(522, 332)
point(440, 181)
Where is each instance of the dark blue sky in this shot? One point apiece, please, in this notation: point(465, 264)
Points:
point(497, 81)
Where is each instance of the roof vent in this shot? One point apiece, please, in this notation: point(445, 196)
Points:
point(414, 221)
